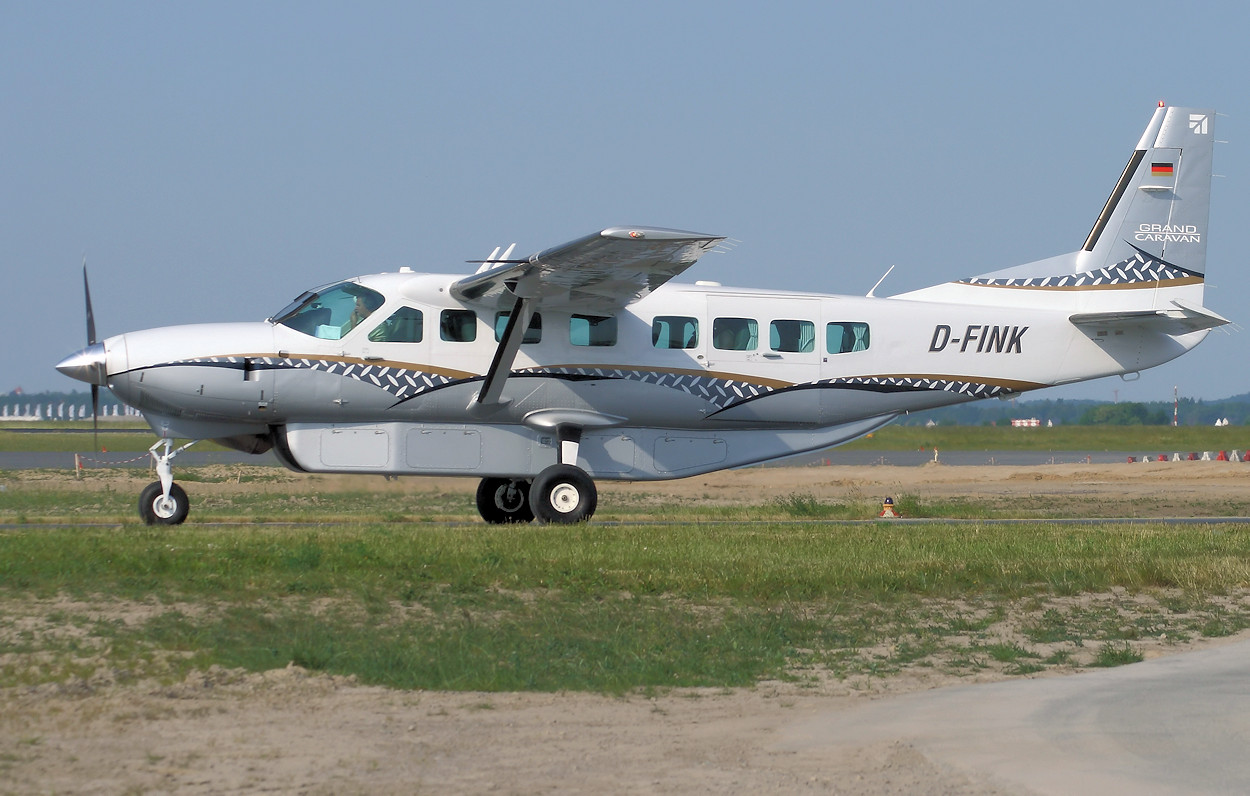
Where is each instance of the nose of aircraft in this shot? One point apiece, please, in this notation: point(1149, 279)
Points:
point(86, 365)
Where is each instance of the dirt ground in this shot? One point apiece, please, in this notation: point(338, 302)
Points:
point(287, 731)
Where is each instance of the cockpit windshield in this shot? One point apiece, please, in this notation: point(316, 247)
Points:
point(332, 312)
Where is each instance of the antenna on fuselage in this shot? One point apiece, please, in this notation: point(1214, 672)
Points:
point(495, 259)
point(487, 262)
point(879, 281)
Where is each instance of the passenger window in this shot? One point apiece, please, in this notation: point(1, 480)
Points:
point(798, 337)
point(846, 336)
point(404, 326)
point(674, 331)
point(735, 334)
point(533, 334)
point(458, 326)
point(592, 330)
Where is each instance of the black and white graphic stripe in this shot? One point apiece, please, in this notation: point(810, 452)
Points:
point(1141, 267)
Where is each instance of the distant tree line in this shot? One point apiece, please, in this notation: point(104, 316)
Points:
point(1125, 414)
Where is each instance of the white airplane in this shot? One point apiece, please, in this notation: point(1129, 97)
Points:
point(584, 361)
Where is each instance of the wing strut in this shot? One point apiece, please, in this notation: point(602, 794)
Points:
point(487, 399)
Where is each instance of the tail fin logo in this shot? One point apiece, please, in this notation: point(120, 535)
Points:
point(1198, 123)
point(1168, 233)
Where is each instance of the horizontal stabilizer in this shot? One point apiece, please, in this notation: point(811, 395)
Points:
point(1184, 319)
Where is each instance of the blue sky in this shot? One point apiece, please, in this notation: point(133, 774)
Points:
point(213, 160)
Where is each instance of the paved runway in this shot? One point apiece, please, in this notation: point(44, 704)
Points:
point(1179, 724)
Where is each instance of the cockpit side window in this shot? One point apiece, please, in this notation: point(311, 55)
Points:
point(404, 326)
point(331, 313)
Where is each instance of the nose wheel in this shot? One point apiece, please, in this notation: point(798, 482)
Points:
point(157, 508)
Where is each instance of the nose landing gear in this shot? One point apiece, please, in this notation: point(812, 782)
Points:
point(157, 508)
point(163, 502)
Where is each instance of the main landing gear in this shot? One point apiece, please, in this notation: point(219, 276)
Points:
point(504, 500)
point(163, 502)
point(561, 493)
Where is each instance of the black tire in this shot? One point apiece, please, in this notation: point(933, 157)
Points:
point(154, 510)
point(504, 500)
point(563, 493)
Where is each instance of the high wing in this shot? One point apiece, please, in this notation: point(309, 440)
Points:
point(600, 272)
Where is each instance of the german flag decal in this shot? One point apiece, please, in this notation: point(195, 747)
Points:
point(1161, 170)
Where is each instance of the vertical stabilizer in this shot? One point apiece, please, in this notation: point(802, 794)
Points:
point(1161, 203)
point(1148, 245)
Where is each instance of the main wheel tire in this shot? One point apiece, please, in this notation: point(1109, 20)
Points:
point(504, 500)
point(155, 509)
point(563, 493)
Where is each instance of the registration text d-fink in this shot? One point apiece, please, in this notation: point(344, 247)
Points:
point(979, 338)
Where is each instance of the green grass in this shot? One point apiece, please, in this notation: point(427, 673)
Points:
point(502, 645)
point(379, 585)
point(1116, 655)
point(752, 561)
point(605, 608)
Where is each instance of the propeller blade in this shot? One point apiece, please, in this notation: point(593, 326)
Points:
point(95, 388)
point(86, 289)
point(95, 416)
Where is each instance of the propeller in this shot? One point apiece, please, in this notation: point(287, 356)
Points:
point(91, 363)
point(95, 388)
